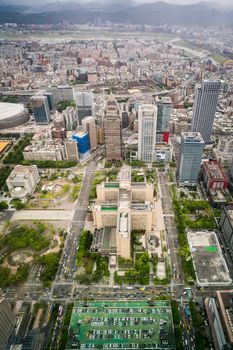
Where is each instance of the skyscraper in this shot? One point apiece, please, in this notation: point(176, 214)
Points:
point(206, 99)
point(191, 148)
point(147, 120)
point(7, 321)
point(40, 108)
point(84, 104)
point(163, 117)
point(112, 131)
point(88, 124)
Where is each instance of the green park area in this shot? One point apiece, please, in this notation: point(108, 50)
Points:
point(137, 176)
point(190, 215)
point(4, 173)
point(15, 156)
point(91, 267)
point(136, 272)
point(58, 190)
point(219, 58)
point(23, 245)
point(122, 325)
point(109, 175)
point(62, 105)
point(201, 336)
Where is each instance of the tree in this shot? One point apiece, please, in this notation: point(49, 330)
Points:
point(3, 206)
point(17, 204)
point(62, 105)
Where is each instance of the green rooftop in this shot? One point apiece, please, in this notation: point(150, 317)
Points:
point(111, 184)
point(121, 325)
point(109, 207)
point(211, 249)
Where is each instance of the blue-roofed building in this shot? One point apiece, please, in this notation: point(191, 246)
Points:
point(83, 144)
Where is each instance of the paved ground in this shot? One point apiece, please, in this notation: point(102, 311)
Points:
point(6, 215)
point(47, 215)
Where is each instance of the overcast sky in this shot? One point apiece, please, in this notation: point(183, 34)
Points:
point(219, 3)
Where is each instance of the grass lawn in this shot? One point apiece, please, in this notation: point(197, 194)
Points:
point(219, 58)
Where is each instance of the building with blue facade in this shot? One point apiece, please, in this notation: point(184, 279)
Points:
point(83, 144)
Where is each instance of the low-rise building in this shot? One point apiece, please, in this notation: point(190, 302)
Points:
point(224, 150)
point(71, 150)
point(45, 150)
point(214, 176)
point(22, 180)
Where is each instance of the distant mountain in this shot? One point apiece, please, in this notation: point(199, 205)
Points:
point(158, 13)
point(14, 8)
point(96, 6)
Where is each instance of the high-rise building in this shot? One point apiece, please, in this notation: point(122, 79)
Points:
point(40, 108)
point(100, 134)
point(147, 119)
point(125, 120)
point(191, 148)
point(84, 104)
point(49, 96)
point(206, 99)
point(70, 117)
point(62, 93)
point(7, 321)
point(113, 131)
point(88, 124)
point(163, 117)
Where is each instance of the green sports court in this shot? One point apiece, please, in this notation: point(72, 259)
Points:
point(121, 325)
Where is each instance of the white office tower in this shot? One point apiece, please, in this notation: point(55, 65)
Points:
point(191, 149)
point(147, 120)
point(206, 99)
point(84, 104)
point(70, 117)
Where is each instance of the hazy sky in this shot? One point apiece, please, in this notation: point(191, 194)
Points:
point(219, 3)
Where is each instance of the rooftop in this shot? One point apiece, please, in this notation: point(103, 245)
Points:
point(209, 263)
point(215, 170)
point(192, 137)
point(8, 110)
point(3, 145)
point(121, 325)
point(124, 224)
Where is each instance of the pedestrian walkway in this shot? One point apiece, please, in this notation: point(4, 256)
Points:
point(44, 215)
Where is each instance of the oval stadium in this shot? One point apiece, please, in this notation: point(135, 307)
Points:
point(12, 115)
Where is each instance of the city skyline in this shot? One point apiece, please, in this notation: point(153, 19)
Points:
point(116, 219)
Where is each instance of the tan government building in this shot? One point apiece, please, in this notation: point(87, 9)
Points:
point(121, 207)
